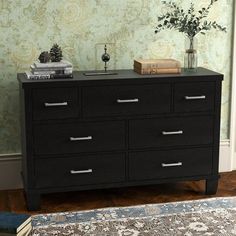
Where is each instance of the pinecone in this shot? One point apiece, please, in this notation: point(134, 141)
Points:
point(44, 57)
point(56, 53)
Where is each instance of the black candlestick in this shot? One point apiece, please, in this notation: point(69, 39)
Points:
point(105, 57)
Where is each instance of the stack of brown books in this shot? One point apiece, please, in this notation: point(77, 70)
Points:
point(157, 66)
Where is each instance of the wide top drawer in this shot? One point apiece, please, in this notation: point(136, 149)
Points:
point(194, 97)
point(55, 103)
point(126, 100)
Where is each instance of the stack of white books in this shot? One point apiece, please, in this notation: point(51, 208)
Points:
point(51, 70)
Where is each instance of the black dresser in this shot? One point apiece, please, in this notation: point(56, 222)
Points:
point(127, 129)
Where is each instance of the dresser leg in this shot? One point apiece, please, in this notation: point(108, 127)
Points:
point(33, 201)
point(211, 186)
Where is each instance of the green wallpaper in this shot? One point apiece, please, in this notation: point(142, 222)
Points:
point(82, 27)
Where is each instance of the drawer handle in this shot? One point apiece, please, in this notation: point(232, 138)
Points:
point(81, 138)
point(135, 100)
point(173, 132)
point(57, 104)
point(172, 164)
point(202, 97)
point(75, 172)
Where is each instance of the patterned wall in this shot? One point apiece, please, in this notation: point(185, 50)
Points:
point(82, 27)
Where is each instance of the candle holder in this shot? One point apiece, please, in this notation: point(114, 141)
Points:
point(105, 58)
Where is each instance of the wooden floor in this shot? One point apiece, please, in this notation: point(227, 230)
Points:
point(13, 200)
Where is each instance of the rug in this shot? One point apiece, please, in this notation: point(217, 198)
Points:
point(215, 216)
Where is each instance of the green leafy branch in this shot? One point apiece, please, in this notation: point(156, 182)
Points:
point(188, 22)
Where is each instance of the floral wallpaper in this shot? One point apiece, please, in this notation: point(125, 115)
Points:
point(81, 27)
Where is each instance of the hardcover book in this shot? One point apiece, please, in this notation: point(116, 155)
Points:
point(42, 69)
point(156, 63)
point(155, 71)
point(46, 76)
point(53, 65)
point(14, 224)
point(37, 71)
point(30, 75)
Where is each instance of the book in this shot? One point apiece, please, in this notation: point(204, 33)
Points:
point(49, 70)
point(30, 75)
point(52, 72)
point(63, 76)
point(148, 71)
point(52, 65)
point(24, 232)
point(14, 224)
point(46, 72)
point(156, 63)
point(46, 76)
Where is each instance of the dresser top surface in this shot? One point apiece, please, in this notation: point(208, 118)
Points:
point(79, 76)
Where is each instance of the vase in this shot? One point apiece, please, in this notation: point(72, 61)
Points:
point(190, 57)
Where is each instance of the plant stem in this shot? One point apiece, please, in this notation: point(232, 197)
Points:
point(191, 54)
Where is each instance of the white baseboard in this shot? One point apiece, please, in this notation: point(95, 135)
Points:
point(234, 160)
point(10, 167)
point(225, 163)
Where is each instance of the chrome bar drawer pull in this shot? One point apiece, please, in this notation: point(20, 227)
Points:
point(58, 104)
point(202, 97)
point(172, 164)
point(81, 138)
point(173, 132)
point(75, 172)
point(135, 100)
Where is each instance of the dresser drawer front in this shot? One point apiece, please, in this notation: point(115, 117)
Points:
point(126, 100)
point(83, 170)
point(79, 137)
point(55, 103)
point(170, 164)
point(194, 97)
point(164, 132)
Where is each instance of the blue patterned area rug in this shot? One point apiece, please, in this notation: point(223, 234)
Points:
point(215, 216)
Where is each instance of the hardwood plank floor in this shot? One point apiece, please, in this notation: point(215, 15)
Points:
point(14, 200)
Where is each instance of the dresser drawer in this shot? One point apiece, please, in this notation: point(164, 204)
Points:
point(170, 164)
point(55, 103)
point(79, 137)
point(83, 170)
point(163, 132)
point(194, 96)
point(126, 100)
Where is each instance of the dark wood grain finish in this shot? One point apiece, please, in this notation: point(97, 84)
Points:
point(55, 103)
point(126, 100)
point(122, 76)
point(81, 170)
point(192, 97)
point(78, 137)
point(167, 132)
point(121, 119)
point(170, 164)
